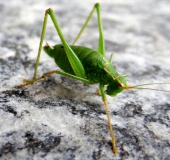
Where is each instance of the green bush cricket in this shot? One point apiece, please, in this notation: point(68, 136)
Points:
point(84, 64)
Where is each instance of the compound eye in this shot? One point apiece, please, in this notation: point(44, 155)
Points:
point(121, 85)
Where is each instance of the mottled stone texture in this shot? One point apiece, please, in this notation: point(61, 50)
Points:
point(60, 118)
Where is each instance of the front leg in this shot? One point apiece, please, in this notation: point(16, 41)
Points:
point(101, 87)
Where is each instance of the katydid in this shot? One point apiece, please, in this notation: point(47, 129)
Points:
point(84, 64)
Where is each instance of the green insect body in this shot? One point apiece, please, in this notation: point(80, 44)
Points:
point(97, 68)
point(84, 64)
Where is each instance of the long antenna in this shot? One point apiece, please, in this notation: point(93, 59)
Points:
point(147, 84)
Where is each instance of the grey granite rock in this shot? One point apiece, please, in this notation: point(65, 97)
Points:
point(60, 118)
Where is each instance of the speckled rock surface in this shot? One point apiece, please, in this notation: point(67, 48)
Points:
point(60, 118)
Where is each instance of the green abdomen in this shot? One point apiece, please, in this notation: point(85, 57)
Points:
point(92, 61)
